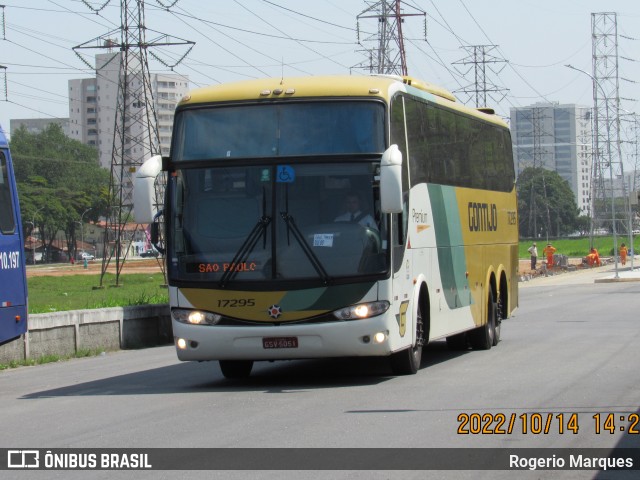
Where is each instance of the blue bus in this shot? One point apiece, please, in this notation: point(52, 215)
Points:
point(13, 279)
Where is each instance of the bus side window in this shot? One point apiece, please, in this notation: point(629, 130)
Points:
point(7, 218)
point(399, 233)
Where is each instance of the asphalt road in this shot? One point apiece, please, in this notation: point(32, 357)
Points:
point(571, 348)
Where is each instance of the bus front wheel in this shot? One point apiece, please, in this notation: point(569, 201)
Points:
point(407, 362)
point(236, 368)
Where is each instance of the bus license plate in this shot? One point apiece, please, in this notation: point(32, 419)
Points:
point(280, 342)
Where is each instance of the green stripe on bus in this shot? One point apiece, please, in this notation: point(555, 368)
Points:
point(326, 298)
point(449, 243)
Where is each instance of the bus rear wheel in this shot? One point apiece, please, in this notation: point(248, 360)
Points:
point(498, 320)
point(407, 362)
point(236, 368)
point(486, 336)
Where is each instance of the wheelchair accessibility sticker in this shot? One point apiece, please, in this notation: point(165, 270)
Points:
point(285, 174)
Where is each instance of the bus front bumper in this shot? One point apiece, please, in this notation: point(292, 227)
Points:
point(368, 337)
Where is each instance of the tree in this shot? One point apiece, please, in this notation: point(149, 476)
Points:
point(583, 225)
point(58, 180)
point(546, 204)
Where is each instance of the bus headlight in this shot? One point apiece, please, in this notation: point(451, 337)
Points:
point(379, 337)
point(362, 310)
point(195, 317)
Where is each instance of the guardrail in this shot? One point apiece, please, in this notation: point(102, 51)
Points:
point(65, 333)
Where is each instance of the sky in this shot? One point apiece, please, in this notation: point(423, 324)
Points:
point(243, 39)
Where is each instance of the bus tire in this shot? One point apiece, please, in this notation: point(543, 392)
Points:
point(236, 368)
point(407, 361)
point(483, 338)
point(498, 324)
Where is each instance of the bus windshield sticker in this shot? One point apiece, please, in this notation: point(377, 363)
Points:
point(323, 240)
point(286, 174)
point(215, 267)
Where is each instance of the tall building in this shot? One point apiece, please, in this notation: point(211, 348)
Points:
point(93, 101)
point(83, 111)
point(559, 138)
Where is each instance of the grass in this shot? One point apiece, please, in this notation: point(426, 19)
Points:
point(76, 292)
point(578, 247)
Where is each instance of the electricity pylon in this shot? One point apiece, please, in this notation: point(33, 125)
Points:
point(481, 59)
point(388, 56)
point(136, 135)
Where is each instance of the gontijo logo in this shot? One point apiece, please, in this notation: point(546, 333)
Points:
point(483, 217)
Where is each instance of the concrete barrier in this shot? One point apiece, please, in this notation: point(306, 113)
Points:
point(65, 333)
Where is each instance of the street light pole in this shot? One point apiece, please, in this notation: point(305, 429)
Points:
point(629, 192)
point(613, 208)
point(82, 227)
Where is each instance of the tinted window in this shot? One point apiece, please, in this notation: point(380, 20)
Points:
point(277, 222)
point(275, 130)
point(450, 148)
point(7, 218)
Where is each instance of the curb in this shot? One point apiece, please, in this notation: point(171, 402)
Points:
point(616, 280)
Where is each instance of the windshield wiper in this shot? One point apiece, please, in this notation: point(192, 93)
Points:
point(259, 230)
point(313, 258)
point(245, 249)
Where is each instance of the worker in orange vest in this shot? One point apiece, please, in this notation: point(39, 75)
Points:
point(549, 250)
point(593, 258)
point(623, 254)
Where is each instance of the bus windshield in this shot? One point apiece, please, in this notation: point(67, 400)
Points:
point(277, 130)
point(276, 223)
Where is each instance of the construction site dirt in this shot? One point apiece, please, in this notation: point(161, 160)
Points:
point(94, 267)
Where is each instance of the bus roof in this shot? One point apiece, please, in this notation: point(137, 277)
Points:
point(363, 86)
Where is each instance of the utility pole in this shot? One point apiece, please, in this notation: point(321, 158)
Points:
point(2, 67)
point(481, 59)
point(389, 55)
point(606, 95)
point(136, 135)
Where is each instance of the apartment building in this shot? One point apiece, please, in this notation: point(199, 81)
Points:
point(93, 103)
point(556, 137)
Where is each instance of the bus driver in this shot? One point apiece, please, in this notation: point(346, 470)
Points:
point(354, 214)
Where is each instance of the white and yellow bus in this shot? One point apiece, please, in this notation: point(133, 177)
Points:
point(334, 216)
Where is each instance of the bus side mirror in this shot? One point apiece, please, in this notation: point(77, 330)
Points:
point(144, 192)
point(391, 180)
point(154, 233)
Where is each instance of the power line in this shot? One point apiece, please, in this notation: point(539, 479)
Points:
point(282, 35)
point(303, 44)
point(309, 17)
